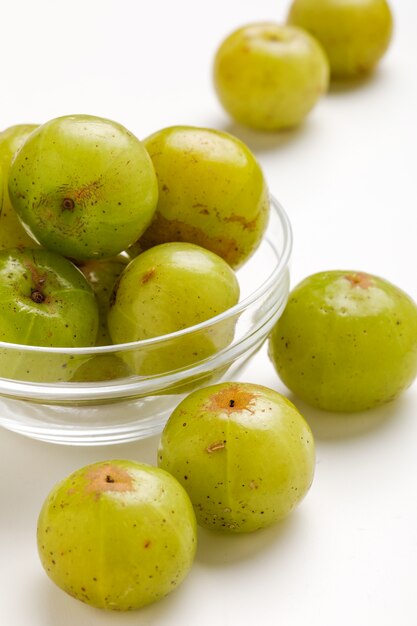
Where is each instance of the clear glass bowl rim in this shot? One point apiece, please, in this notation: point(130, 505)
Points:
point(273, 278)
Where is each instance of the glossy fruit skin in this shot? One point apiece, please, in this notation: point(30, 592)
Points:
point(347, 341)
point(243, 453)
point(355, 34)
point(100, 368)
point(117, 534)
point(84, 186)
point(12, 233)
point(103, 275)
point(212, 192)
point(268, 76)
point(166, 289)
point(44, 301)
point(1, 188)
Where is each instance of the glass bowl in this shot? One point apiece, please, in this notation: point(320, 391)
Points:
point(88, 396)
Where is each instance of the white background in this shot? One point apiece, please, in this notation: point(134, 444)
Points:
point(348, 555)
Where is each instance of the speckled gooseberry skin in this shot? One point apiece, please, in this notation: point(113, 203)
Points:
point(44, 301)
point(12, 233)
point(212, 192)
point(169, 288)
point(268, 76)
point(1, 188)
point(243, 453)
point(347, 341)
point(103, 275)
point(354, 33)
point(117, 535)
point(84, 186)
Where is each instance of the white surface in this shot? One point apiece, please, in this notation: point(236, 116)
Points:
point(348, 555)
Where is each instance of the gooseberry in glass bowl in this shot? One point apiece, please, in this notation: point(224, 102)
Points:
point(105, 401)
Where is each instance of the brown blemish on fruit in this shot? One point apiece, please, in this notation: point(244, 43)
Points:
point(113, 295)
point(148, 275)
point(163, 230)
point(274, 37)
point(204, 210)
point(231, 398)
point(217, 445)
point(246, 225)
point(271, 37)
point(147, 543)
point(108, 477)
point(360, 279)
point(68, 204)
point(38, 278)
point(89, 191)
point(46, 213)
point(37, 296)
point(74, 196)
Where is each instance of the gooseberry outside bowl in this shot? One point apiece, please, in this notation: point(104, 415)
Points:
point(124, 406)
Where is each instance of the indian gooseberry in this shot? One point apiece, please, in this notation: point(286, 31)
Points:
point(354, 33)
point(212, 192)
point(102, 275)
point(101, 368)
point(44, 301)
point(243, 452)
point(84, 186)
point(117, 534)
point(170, 288)
point(12, 233)
point(269, 76)
point(347, 341)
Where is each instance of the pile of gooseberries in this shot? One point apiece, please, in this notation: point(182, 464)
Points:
point(106, 239)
